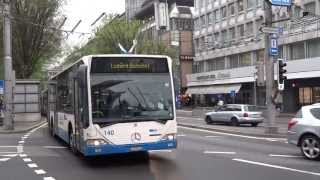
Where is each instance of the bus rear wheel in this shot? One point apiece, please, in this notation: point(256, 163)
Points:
point(72, 143)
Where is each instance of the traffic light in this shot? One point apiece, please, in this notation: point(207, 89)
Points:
point(281, 74)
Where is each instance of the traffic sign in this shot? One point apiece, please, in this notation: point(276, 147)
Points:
point(274, 47)
point(281, 2)
point(1, 87)
point(270, 30)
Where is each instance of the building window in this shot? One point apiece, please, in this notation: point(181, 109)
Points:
point(245, 59)
point(203, 21)
point(310, 7)
point(251, 4)
point(249, 29)
point(224, 36)
point(216, 37)
point(224, 12)
point(220, 63)
point(197, 45)
point(216, 15)
point(233, 61)
point(210, 18)
point(232, 33)
point(241, 30)
point(231, 9)
point(297, 51)
point(240, 5)
point(313, 48)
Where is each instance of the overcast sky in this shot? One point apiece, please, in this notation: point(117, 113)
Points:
point(87, 11)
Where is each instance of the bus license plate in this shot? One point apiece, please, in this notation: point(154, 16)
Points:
point(136, 148)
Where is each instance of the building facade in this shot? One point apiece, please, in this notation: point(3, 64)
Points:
point(132, 6)
point(229, 44)
point(170, 22)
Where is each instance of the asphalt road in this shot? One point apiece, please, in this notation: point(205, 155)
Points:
point(201, 155)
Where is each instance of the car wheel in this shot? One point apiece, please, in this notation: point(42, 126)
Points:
point(234, 122)
point(310, 147)
point(72, 143)
point(254, 124)
point(208, 120)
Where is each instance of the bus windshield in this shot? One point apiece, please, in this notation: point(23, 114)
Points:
point(135, 96)
point(131, 97)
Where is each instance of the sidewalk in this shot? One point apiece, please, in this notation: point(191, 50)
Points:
point(24, 123)
point(198, 122)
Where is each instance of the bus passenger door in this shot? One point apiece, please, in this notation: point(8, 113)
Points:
point(77, 116)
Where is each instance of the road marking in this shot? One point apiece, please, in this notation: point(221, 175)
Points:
point(8, 146)
point(8, 152)
point(4, 159)
point(181, 135)
point(234, 135)
point(21, 142)
point(165, 150)
point(32, 165)
point(283, 155)
point(23, 155)
point(218, 152)
point(9, 155)
point(212, 136)
point(40, 171)
point(49, 178)
point(27, 160)
point(276, 167)
point(55, 147)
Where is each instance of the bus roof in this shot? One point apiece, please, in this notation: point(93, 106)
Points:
point(84, 58)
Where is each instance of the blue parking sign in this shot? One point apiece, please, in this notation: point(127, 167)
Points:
point(274, 47)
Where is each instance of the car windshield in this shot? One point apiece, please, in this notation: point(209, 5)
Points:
point(131, 97)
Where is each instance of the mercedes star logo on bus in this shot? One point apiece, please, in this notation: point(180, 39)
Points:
point(136, 137)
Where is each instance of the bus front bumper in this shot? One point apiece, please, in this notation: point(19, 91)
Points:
point(119, 149)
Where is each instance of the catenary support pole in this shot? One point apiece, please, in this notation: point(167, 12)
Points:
point(8, 114)
point(269, 67)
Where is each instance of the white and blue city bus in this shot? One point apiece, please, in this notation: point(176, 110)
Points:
point(109, 104)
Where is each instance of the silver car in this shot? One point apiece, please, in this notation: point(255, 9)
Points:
point(304, 131)
point(235, 114)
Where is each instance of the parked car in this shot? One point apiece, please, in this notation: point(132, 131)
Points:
point(304, 131)
point(235, 114)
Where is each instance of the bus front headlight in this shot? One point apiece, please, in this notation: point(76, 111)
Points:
point(96, 142)
point(169, 137)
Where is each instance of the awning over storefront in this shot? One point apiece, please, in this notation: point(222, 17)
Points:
point(214, 89)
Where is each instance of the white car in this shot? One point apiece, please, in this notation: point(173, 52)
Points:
point(235, 114)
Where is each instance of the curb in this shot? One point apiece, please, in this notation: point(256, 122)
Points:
point(233, 132)
point(23, 130)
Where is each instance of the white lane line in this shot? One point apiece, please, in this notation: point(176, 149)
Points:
point(27, 160)
point(9, 155)
point(20, 149)
point(234, 135)
point(55, 147)
point(212, 136)
point(8, 146)
point(4, 159)
point(21, 142)
point(181, 135)
point(23, 155)
point(8, 152)
point(33, 165)
point(277, 167)
point(283, 155)
point(39, 171)
point(218, 152)
point(49, 178)
point(164, 151)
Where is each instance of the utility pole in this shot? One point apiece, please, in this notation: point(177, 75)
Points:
point(269, 67)
point(8, 94)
